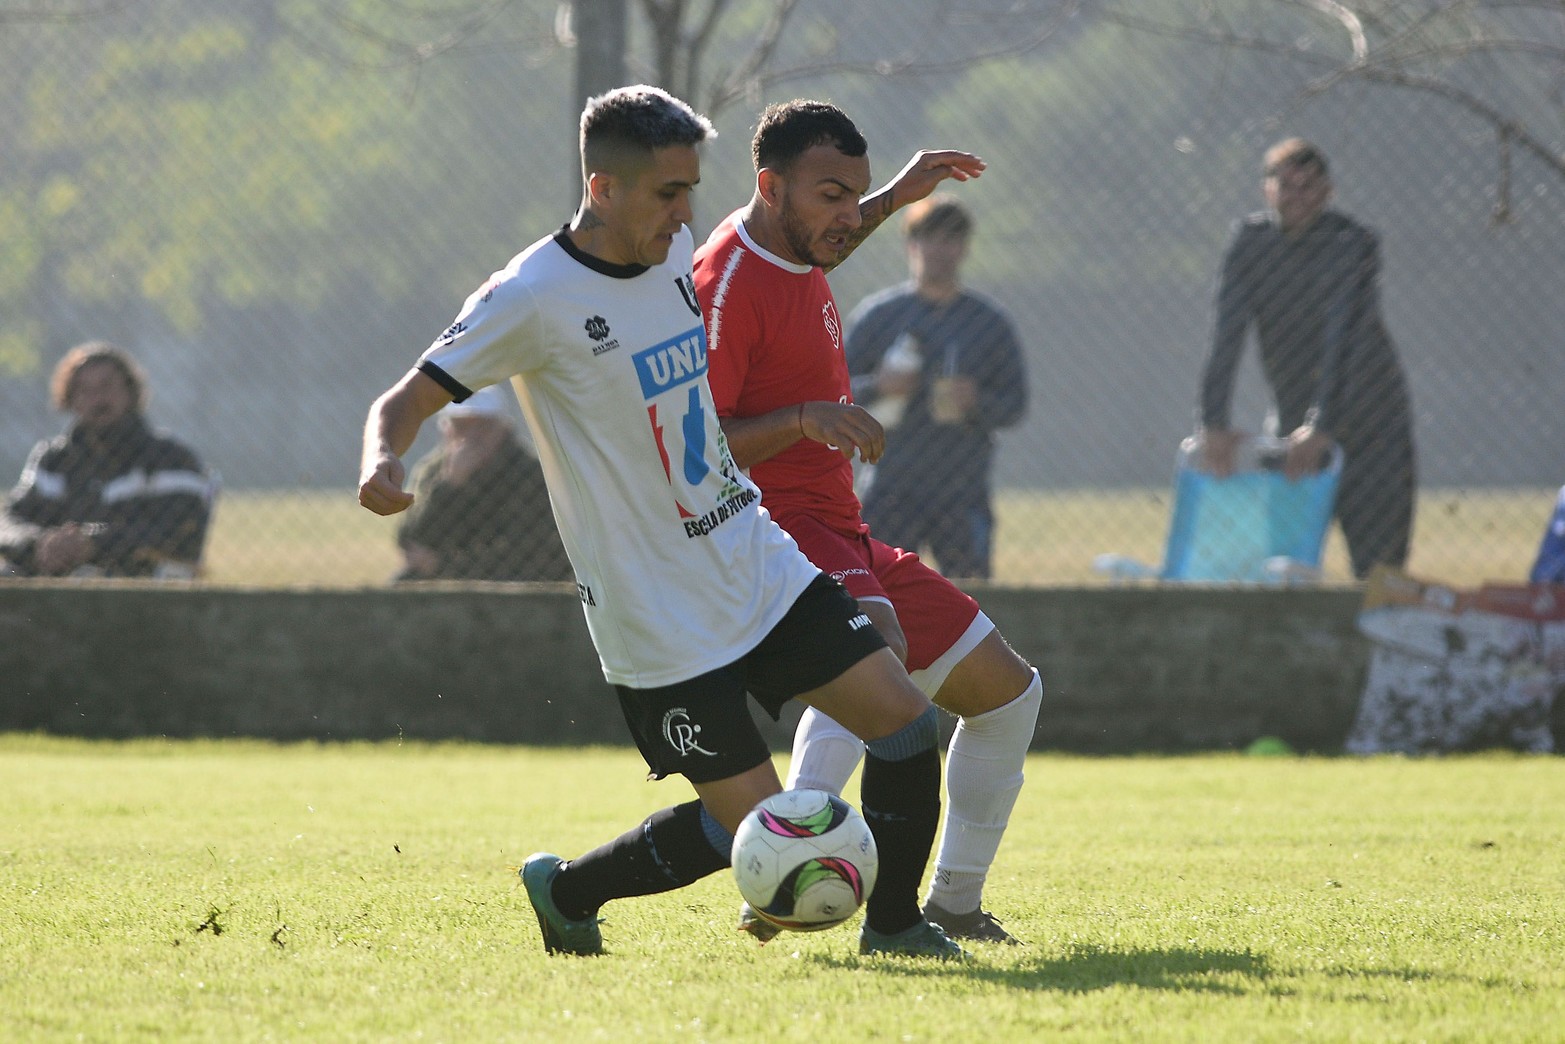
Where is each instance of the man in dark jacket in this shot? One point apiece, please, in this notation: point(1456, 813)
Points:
point(111, 496)
point(1307, 278)
point(480, 508)
point(955, 360)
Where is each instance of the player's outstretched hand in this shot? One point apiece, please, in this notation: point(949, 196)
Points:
point(845, 427)
point(928, 169)
point(381, 489)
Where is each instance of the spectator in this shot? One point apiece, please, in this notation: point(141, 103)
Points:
point(111, 496)
point(1308, 279)
point(480, 504)
point(954, 358)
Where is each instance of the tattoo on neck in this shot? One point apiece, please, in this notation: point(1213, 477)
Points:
point(586, 221)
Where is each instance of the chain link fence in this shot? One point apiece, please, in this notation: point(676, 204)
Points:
point(275, 205)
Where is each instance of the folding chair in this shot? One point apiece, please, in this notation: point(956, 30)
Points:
point(1256, 525)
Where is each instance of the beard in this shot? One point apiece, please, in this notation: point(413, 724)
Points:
point(800, 238)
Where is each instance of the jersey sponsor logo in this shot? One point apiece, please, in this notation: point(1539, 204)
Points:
point(677, 361)
point(693, 428)
point(683, 734)
point(598, 329)
point(699, 527)
point(672, 376)
point(833, 323)
point(455, 330)
point(585, 594)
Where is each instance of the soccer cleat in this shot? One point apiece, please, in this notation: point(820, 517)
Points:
point(560, 934)
point(922, 940)
point(979, 926)
point(754, 924)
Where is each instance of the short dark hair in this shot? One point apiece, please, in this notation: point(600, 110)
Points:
point(938, 215)
point(91, 353)
point(788, 130)
point(1294, 152)
point(621, 128)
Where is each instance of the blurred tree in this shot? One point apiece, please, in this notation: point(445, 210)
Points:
point(1501, 61)
point(749, 46)
point(209, 159)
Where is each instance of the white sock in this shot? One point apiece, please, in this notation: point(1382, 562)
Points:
point(983, 777)
point(824, 754)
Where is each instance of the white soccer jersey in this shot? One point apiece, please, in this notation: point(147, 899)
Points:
point(679, 569)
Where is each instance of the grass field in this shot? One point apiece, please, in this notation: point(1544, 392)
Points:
point(1463, 537)
point(248, 891)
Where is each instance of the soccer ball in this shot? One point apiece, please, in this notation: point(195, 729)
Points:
point(805, 860)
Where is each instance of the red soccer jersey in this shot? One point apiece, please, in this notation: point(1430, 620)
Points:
point(774, 339)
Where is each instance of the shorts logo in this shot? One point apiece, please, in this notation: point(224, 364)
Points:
point(683, 734)
point(858, 623)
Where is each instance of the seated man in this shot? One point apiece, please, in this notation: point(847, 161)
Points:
point(110, 497)
point(481, 509)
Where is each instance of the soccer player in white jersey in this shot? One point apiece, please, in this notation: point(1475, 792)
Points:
point(693, 596)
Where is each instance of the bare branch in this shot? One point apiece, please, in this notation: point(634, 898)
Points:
point(1434, 38)
point(400, 53)
point(745, 77)
point(756, 73)
point(1350, 22)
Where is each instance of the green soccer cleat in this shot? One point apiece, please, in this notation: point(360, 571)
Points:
point(754, 924)
point(979, 925)
point(560, 934)
point(921, 940)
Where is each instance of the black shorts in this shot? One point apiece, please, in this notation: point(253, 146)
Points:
point(701, 728)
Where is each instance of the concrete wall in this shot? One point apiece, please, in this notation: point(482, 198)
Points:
point(1127, 669)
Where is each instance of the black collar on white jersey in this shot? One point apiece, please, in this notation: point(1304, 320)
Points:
point(597, 264)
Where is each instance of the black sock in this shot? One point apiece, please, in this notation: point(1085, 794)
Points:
point(901, 801)
point(669, 850)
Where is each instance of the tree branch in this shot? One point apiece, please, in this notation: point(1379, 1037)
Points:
point(1392, 63)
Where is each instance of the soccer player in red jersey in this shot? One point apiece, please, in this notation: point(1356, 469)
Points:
point(781, 388)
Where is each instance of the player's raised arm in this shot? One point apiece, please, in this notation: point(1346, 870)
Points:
point(394, 422)
point(916, 180)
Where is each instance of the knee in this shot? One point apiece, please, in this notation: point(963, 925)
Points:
point(990, 677)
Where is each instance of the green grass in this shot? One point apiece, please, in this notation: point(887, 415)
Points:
point(249, 891)
point(1462, 537)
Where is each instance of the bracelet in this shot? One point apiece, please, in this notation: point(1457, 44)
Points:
point(801, 419)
